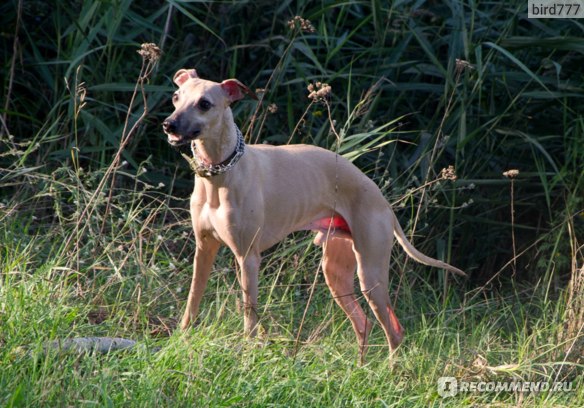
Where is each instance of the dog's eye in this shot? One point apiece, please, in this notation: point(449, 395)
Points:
point(205, 105)
point(175, 97)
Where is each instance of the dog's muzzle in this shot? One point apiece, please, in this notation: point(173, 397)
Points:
point(175, 137)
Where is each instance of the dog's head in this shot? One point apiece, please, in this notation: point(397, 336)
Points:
point(200, 106)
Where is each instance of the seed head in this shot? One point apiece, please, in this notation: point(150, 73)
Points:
point(300, 23)
point(449, 173)
point(319, 91)
point(511, 173)
point(461, 65)
point(150, 52)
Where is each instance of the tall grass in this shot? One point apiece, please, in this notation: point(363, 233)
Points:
point(95, 238)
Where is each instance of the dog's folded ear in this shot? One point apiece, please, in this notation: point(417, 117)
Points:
point(182, 75)
point(235, 90)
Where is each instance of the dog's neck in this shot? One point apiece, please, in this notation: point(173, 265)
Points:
point(218, 155)
point(217, 149)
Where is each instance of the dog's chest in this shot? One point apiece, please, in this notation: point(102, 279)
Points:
point(215, 221)
point(206, 220)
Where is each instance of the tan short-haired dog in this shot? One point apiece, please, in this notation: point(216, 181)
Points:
point(249, 197)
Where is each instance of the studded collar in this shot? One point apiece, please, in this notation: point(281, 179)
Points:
point(205, 170)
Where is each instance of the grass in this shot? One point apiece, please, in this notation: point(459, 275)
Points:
point(489, 338)
point(94, 231)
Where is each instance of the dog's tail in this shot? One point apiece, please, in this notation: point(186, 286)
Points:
point(417, 255)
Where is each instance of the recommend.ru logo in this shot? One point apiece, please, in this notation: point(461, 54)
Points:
point(450, 386)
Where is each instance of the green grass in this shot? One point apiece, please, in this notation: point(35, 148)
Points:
point(492, 338)
point(95, 237)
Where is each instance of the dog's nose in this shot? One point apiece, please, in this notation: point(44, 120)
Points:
point(169, 126)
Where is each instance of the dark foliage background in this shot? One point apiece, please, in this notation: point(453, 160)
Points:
point(514, 102)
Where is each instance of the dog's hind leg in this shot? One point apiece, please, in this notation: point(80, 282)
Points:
point(338, 265)
point(376, 293)
point(373, 249)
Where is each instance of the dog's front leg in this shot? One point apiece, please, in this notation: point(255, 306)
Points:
point(204, 258)
point(250, 265)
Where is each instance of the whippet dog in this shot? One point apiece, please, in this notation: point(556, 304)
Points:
point(249, 197)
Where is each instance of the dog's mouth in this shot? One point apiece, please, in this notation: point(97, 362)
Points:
point(175, 139)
